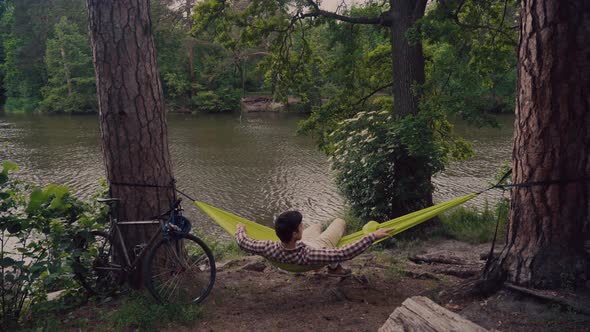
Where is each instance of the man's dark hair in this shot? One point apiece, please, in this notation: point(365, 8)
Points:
point(287, 223)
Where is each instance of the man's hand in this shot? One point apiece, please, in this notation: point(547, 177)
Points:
point(241, 227)
point(382, 233)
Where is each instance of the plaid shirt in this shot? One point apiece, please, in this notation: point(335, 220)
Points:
point(302, 254)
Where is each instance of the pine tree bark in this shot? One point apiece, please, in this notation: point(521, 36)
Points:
point(548, 224)
point(132, 117)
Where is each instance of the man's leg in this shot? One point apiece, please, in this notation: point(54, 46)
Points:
point(311, 235)
point(330, 238)
point(332, 235)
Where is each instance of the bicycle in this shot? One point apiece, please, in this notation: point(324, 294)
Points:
point(179, 268)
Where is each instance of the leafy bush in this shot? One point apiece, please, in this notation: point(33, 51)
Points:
point(37, 226)
point(20, 105)
point(376, 159)
point(221, 100)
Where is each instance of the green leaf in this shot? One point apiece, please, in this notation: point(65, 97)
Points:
point(4, 195)
point(8, 166)
point(7, 261)
point(36, 199)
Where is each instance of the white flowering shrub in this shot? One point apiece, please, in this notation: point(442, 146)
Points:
point(384, 166)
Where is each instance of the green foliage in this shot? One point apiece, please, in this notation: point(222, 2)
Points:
point(471, 67)
point(37, 226)
point(172, 45)
point(383, 163)
point(140, 312)
point(20, 105)
point(216, 101)
point(70, 87)
point(474, 225)
point(223, 251)
point(213, 84)
point(26, 27)
point(372, 154)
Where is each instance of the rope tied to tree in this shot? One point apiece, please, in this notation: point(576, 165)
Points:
point(504, 187)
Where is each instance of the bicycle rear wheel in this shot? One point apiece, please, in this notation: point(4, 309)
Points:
point(94, 267)
point(180, 269)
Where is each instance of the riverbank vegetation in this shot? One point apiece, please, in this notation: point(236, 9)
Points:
point(341, 67)
point(38, 231)
point(386, 138)
point(334, 67)
point(46, 60)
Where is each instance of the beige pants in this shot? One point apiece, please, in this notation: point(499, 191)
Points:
point(314, 237)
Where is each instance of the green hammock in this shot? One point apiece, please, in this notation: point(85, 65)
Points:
point(229, 222)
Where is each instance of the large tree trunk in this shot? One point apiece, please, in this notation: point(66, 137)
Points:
point(408, 73)
point(132, 117)
point(406, 55)
point(548, 223)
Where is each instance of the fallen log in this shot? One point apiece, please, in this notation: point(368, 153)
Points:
point(419, 313)
point(579, 304)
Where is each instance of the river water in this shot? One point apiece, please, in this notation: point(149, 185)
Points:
point(255, 165)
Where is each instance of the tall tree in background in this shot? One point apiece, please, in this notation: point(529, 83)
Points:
point(30, 24)
point(70, 85)
point(420, 139)
point(131, 107)
point(3, 33)
point(549, 223)
point(281, 18)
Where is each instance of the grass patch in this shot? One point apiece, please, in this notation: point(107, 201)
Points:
point(139, 311)
point(471, 225)
point(223, 250)
point(475, 225)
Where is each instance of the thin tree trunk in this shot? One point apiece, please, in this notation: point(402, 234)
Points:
point(132, 117)
point(66, 72)
point(548, 224)
point(189, 4)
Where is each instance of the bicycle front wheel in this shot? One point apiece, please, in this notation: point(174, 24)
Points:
point(180, 269)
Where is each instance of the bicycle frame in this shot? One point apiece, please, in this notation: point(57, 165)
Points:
point(116, 235)
point(123, 246)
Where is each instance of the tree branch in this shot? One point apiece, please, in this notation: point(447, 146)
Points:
point(365, 98)
point(384, 19)
point(455, 17)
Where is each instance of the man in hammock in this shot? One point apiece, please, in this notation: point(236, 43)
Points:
point(310, 246)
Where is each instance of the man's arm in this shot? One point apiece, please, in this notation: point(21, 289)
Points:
point(334, 255)
point(248, 244)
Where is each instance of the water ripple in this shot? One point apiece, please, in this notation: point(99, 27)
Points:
point(254, 166)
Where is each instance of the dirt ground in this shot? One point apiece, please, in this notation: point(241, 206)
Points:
point(250, 295)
